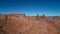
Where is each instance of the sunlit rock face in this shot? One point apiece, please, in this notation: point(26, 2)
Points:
point(21, 24)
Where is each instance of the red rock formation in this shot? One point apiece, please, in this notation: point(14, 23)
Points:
point(21, 24)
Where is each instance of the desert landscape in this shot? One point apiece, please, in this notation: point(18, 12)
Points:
point(22, 24)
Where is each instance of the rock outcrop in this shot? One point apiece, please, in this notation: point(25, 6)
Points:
point(21, 24)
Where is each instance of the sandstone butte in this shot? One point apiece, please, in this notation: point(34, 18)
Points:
point(22, 24)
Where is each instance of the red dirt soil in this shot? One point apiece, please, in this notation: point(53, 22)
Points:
point(21, 24)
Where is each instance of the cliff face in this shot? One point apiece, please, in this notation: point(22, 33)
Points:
point(21, 24)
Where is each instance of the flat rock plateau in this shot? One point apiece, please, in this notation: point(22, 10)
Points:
point(22, 24)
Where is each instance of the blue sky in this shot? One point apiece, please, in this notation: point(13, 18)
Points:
point(30, 7)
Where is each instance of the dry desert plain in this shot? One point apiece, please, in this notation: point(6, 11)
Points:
point(22, 24)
